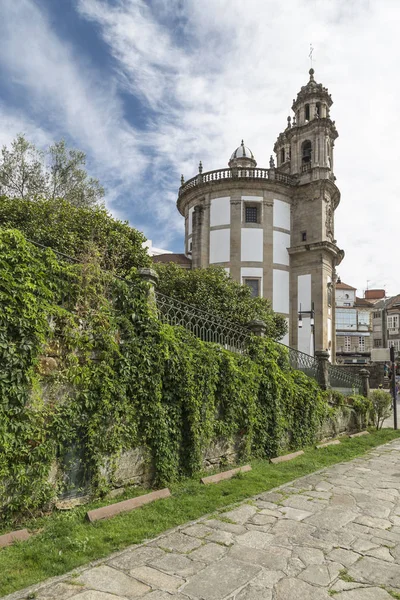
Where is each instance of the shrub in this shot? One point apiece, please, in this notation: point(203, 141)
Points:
point(362, 407)
point(74, 230)
point(213, 290)
point(382, 405)
point(122, 380)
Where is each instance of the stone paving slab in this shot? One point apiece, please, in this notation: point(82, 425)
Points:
point(335, 533)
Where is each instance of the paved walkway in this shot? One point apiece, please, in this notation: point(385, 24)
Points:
point(335, 533)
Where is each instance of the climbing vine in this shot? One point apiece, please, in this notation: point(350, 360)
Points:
point(88, 372)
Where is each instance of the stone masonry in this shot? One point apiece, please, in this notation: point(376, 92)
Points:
point(332, 533)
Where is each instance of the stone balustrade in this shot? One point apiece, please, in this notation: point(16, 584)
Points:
point(237, 173)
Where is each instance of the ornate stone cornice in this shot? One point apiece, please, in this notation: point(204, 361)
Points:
point(326, 247)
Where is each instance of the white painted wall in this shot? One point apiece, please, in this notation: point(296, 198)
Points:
point(220, 242)
point(280, 301)
point(190, 220)
point(220, 211)
point(253, 272)
point(252, 244)
point(345, 297)
point(281, 214)
point(281, 241)
point(305, 339)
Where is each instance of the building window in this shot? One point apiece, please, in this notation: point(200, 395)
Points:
point(307, 112)
point(190, 246)
point(346, 319)
point(363, 318)
point(254, 285)
point(304, 236)
point(393, 322)
point(377, 314)
point(282, 156)
point(251, 214)
point(377, 343)
point(361, 344)
point(347, 343)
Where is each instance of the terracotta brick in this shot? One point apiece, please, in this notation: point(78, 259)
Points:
point(286, 457)
point(126, 505)
point(332, 443)
point(359, 434)
point(225, 475)
point(14, 536)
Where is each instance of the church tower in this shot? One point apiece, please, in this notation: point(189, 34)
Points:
point(273, 228)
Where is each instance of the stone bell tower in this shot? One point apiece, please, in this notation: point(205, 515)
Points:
point(272, 227)
point(305, 150)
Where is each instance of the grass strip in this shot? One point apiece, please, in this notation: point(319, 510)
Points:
point(67, 540)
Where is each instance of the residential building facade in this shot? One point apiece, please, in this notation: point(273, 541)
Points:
point(353, 326)
point(273, 228)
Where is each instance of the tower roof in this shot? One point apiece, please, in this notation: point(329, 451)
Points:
point(312, 90)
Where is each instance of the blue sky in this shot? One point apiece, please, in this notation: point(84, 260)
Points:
point(149, 88)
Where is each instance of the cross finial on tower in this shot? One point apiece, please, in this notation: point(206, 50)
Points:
point(310, 56)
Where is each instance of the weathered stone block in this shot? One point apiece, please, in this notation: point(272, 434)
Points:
point(14, 536)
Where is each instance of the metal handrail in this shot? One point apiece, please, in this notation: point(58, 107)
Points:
point(208, 327)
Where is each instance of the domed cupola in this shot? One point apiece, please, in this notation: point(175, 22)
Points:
point(242, 157)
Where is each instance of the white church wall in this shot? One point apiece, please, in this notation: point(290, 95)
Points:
point(280, 301)
point(220, 211)
point(281, 243)
point(252, 244)
point(220, 240)
point(305, 341)
point(281, 214)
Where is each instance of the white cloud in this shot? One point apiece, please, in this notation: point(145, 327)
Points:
point(228, 69)
point(66, 95)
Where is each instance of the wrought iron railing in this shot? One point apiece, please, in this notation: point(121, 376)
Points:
point(300, 361)
point(338, 378)
point(206, 326)
point(237, 173)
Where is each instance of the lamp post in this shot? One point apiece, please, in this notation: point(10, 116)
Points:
point(312, 321)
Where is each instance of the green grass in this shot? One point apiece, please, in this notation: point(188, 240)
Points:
point(67, 540)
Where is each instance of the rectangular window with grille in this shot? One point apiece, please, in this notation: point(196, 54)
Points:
point(377, 343)
point(361, 344)
point(251, 214)
point(347, 343)
point(254, 285)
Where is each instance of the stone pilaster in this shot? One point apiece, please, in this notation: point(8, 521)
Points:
point(236, 234)
point(197, 236)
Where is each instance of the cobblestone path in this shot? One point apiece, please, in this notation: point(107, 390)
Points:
point(331, 534)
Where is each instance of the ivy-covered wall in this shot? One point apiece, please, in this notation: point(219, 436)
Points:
point(88, 372)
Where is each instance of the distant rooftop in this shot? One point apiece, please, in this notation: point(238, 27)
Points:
point(344, 286)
